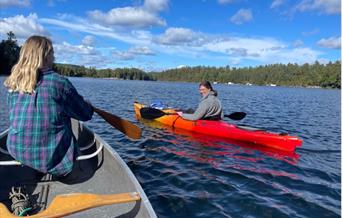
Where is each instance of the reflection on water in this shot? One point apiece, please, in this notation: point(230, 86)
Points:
point(212, 150)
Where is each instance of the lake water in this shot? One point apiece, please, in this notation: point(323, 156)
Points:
point(186, 175)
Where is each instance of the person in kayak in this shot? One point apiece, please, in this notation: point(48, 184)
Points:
point(209, 108)
point(41, 103)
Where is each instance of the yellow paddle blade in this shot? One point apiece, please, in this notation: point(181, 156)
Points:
point(124, 126)
point(66, 204)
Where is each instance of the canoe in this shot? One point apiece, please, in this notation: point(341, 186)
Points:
point(100, 185)
point(224, 129)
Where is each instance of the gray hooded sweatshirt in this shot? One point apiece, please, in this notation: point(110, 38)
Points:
point(209, 106)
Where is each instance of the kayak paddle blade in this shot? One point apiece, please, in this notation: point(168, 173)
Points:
point(236, 115)
point(151, 113)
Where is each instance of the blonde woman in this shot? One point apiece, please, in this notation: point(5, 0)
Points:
point(41, 103)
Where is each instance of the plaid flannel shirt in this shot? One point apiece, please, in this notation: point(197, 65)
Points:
point(40, 134)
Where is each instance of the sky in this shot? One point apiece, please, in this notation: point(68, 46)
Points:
point(155, 35)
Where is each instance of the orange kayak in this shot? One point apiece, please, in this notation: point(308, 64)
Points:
point(223, 129)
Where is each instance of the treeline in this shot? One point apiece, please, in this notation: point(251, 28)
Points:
point(119, 73)
point(322, 75)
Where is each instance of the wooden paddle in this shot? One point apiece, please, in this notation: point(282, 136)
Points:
point(66, 204)
point(124, 126)
point(153, 113)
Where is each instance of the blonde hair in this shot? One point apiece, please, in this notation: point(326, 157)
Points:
point(36, 53)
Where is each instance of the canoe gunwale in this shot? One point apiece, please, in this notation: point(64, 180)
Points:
point(79, 158)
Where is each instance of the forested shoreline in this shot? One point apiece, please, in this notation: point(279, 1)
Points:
point(306, 75)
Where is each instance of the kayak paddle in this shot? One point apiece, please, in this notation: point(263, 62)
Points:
point(236, 115)
point(153, 113)
point(124, 126)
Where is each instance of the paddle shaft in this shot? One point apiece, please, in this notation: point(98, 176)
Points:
point(153, 113)
point(233, 116)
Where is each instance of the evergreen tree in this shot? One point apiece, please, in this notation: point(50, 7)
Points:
point(9, 53)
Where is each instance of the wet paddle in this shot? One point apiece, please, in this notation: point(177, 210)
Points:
point(153, 113)
point(124, 126)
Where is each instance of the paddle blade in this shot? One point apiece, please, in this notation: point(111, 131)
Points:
point(120, 124)
point(151, 113)
point(67, 204)
point(236, 115)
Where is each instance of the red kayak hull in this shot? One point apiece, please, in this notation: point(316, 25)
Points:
point(227, 130)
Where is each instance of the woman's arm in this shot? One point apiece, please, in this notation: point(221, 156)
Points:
point(198, 114)
point(76, 106)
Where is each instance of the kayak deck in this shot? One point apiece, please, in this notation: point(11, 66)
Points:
point(105, 173)
point(226, 130)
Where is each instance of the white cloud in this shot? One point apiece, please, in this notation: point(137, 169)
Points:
point(277, 3)
point(323, 6)
point(185, 42)
point(140, 17)
point(175, 41)
point(284, 56)
point(176, 36)
point(297, 43)
point(332, 42)
point(75, 49)
point(298, 55)
point(132, 53)
point(21, 26)
point(262, 50)
point(14, 3)
point(242, 16)
point(234, 49)
point(244, 47)
point(80, 55)
point(81, 25)
point(142, 35)
point(123, 55)
point(156, 5)
point(88, 40)
point(143, 50)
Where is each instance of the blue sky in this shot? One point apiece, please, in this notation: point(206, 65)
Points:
point(162, 34)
